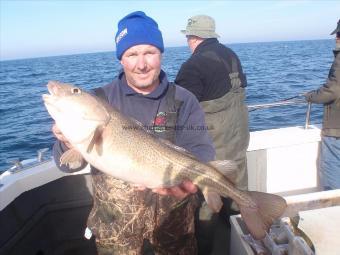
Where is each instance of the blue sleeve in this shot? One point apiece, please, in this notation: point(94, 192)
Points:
point(191, 130)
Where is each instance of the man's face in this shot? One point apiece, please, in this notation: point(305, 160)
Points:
point(191, 42)
point(337, 41)
point(142, 66)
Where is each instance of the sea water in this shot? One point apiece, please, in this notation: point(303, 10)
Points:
point(275, 71)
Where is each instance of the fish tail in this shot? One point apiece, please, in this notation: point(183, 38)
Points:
point(260, 213)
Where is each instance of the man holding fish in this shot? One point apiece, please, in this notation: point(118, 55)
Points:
point(146, 172)
point(124, 216)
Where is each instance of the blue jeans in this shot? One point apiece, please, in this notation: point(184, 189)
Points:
point(330, 163)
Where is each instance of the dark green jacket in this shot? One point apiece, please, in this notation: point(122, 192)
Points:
point(329, 95)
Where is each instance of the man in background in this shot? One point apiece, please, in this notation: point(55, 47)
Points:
point(329, 96)
point(214, 75)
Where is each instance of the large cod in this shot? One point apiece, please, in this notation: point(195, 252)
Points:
point(120, 147)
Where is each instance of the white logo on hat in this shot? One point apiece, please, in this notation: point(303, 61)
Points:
point(122, 34)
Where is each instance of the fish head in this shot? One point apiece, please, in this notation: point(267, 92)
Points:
point(77, 113)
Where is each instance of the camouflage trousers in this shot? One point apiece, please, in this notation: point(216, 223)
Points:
point(122, 219)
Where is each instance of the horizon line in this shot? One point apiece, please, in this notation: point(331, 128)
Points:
point(113, 51)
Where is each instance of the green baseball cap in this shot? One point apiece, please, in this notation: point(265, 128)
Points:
point(337, 30)
point(202, 26)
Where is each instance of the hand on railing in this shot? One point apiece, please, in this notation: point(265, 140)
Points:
point(288, 101)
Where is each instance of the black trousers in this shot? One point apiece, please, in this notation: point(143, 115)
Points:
point(205, 230)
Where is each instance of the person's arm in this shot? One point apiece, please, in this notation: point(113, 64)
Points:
point(329, 91)
point(242, 75)
point(326, 94)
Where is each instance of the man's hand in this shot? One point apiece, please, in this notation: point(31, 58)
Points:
point(181, 191)
point(57, 133)
point(306, 95)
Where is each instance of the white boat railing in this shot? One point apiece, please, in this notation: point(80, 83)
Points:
point(288, 101)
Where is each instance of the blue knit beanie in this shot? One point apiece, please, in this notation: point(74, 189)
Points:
point(137, 28)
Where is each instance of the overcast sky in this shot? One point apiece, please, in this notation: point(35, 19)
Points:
point(50, 28)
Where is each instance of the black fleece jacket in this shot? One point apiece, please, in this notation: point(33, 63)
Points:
point(205, 73)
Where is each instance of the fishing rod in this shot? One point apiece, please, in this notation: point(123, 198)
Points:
point(288, 101)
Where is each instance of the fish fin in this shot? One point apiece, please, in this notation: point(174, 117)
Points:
point(227, 167)
point(205, 213)
point(260, 215)
point(96, 141)
point(72, 158)
point(213, 200)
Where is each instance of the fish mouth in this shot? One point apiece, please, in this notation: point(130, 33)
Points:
point(46, 97)
point(52, 87)
point(49, 101)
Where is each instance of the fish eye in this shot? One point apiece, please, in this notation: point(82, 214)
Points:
point(76, 91)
